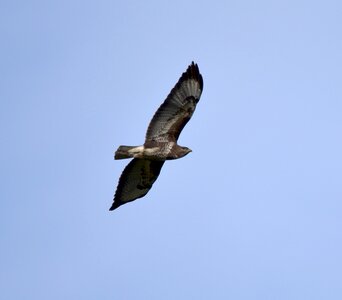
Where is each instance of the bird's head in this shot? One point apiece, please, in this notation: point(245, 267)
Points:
point(185, 151)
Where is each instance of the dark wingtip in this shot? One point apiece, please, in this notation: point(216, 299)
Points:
point(193, 65)
point(115, 205)
point(193, 72)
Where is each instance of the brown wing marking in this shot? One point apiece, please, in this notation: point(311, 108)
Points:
point(171, 117)
point(136, 180)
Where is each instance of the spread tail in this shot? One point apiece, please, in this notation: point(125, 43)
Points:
point(123, 152)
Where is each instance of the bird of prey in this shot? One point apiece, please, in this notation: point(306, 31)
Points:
point(161, 139)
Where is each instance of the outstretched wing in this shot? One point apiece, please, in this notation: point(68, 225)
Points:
point(171, 117)
point(136, 180)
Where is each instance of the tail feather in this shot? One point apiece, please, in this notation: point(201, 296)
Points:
point(123, 153)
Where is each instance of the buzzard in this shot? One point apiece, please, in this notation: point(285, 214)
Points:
point(161, 139)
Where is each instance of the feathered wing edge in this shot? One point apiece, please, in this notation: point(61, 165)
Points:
point(174, 113)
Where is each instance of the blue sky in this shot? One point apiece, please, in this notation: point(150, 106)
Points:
point(254, 212)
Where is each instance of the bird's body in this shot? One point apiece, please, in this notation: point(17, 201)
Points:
point(161, 139)
point(152, 150)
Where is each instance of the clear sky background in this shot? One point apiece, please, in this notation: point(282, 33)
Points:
point(254, 212)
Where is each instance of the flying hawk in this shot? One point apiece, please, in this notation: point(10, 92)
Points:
point(161, 139)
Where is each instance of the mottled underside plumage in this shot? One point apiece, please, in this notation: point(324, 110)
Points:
point(160, 140)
